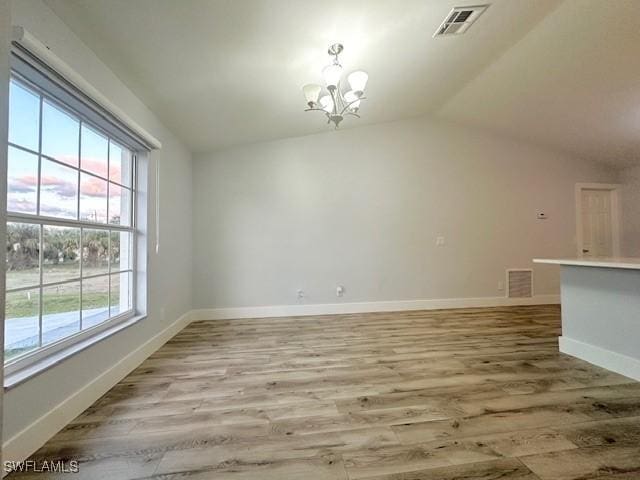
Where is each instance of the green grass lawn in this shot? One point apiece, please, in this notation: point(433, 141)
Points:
point(60, 298)
point(56, 303)
point(51, 274)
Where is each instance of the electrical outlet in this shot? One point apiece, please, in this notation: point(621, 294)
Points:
point(440, 241)
point(500, 285)
point(339, 291)
point(300, 293)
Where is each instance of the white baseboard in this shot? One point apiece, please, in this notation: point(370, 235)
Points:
point(26, 442)
point(366, 307)
point(616, 362)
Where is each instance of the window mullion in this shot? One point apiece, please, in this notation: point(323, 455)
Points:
point(133, 220)
point(38, 194)
point(40, 288)
point(134, 189)
point(78, 212)
point(109, 280)
point(41, 228)
point(29, 218)
point(81, 270)
point(108, 262)
point(108, 183)
point(66, 282)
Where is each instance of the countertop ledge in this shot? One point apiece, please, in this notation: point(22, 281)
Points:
point(629, 263)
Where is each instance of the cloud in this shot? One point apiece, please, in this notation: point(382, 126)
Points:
point(98, 167)
point(26, 184)
point(58, 186)
point(93, 187)
point(115, 174)
point(114, 191)
point(20, 205)
point(54, 211)
point(68, 159)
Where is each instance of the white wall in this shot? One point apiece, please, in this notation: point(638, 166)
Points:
point(363, 207)
point(630, 179)
point(169, 272)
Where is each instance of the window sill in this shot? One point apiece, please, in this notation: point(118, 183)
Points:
point(32, 370)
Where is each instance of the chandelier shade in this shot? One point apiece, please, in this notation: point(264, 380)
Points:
point(311, 92)
point(335, 104)
point(332, 74)
point(358, 80)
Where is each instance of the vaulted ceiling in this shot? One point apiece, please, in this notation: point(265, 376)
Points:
point(225, 72)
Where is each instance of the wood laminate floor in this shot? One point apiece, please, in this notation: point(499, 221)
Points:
point(474, 394)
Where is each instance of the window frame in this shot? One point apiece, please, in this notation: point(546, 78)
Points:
point(24, 71)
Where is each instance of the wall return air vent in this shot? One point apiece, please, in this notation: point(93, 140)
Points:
point(520, 283)
point(459, 20)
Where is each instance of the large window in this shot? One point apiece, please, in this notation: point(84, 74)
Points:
point(70, 223)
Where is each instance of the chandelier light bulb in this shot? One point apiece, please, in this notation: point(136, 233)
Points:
point(352, 99)
point(358, 80)
point(332, 74)
point(327, 103)
point(311, 93)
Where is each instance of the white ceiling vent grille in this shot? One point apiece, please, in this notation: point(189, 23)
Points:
point(519, 283)
point(459, 20)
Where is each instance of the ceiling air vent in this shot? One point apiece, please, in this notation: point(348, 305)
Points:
point(520, 283)
point(459, 20)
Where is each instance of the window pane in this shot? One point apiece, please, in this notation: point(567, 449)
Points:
point(22, 182)
point(121, 251)
point(121, 287)
point(24, 116)
point(61, 254)
point(21, 331)
point(23, 255)
point(60, 134)
point(95, 150)
point(119, 205)
point(60, 311)
point(93, 198)
point(119, 164)
point(95, 301)
point(58, 190)
point(95, 252)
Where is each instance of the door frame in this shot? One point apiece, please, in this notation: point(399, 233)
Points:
point(614, 189)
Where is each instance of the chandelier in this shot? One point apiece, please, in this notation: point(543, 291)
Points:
point(336, 105)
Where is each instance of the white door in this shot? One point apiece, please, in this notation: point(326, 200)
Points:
point(597, 227)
